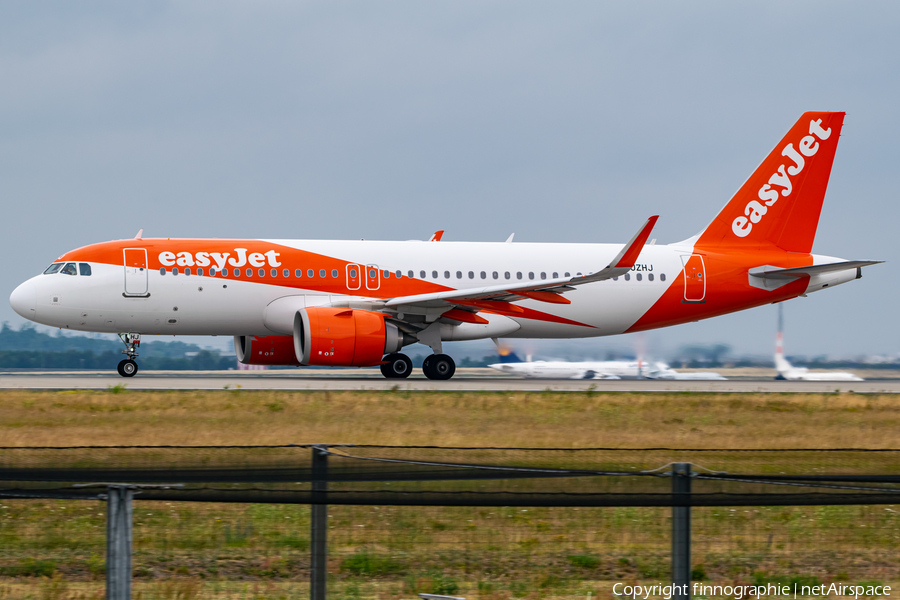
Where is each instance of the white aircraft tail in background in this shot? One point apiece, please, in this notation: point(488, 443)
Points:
point(791, 373)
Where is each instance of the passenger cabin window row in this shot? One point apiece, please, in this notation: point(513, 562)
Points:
point(353, 273)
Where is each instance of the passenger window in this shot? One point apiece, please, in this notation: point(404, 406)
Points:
point(506, 275)
point(555, 274)
point(249, 272)
point(567, 274)
point(518, 274)
point(187, 271)
point(627, 276)
point(310, 273)
point(387, 274)
point(459, 274)
point(483, 275)
point(496, 275)
point(200, 272)
point(175, 271)
point(274, 273)
point(352, 273)
point(471, 274)
point(639, 277)
point(162, 270)
point(69, 269)
point(286, 272)
point(662, 276)
point(298, 273)
point(84, 269)
point(225, 272)
point(411, 274)
point(543, 275)
point(399, 274)
point(262, 272)
point(434, 275)
point(530, 275)
point(334, 273)
point(650, 276)
point(212, 272)
point(446, 274)
point(237, 272)
point(55, 267)
point(322, 273)
point(421, 274)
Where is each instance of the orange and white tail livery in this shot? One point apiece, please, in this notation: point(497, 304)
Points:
point(358, 303)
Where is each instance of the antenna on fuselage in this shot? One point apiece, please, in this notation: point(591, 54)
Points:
point(510, 238)
point(140, 234)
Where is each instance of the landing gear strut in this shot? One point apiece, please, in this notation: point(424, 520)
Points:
point(398, 366)
point(439, 366)
point(128, 367)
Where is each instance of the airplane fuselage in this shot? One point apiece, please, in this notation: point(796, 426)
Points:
point(182, 290)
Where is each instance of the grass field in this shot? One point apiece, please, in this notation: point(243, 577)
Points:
point(54, 549)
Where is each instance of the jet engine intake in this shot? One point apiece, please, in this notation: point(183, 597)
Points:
point(344, 337)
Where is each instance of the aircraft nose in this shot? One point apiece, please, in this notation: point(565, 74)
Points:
point(22, 300)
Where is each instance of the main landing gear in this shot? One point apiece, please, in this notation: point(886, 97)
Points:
point(128, 367)
point(436, 366)
point(439, 366)
point(398, 366)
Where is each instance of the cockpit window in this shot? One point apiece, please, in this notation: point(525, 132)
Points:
point(69, 269)
point(84, 269)
point(54, 268)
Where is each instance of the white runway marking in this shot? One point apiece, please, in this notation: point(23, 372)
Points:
point(287, 380)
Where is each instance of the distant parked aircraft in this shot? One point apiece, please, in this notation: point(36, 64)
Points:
point(791, 373)
point(607, 369)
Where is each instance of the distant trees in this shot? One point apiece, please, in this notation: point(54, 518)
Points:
point(28, 348)
point(702, 355)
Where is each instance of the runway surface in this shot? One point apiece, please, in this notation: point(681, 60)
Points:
point(342, 380)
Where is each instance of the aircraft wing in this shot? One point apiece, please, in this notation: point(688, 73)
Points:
point(546, 290)
point(771, 272)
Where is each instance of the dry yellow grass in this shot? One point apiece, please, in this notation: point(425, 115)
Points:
point(39, 418)
point(231, 551)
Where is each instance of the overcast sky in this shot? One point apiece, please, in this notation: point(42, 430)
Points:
point(566, 122)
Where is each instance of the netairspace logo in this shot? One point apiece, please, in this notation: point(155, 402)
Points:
point(739, 592)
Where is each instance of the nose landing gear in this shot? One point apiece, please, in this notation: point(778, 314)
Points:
point(128, 367)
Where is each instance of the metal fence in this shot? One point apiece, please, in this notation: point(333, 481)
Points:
point(572, 517)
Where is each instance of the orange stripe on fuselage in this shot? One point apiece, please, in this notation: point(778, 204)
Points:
point(111, 253)
point(728, 289)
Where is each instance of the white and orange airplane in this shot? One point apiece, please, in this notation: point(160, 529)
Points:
point(357, 303)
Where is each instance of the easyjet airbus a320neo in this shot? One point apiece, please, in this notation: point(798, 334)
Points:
point(358, 303)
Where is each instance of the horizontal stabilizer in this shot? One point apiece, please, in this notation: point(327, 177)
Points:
point(770, 272)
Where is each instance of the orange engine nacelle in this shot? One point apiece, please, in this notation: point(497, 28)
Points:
point(344, 337)
point(272, 350)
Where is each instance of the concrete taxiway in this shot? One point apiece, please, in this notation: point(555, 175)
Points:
point(476, 380)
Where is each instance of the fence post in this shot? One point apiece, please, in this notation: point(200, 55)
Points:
point(318, 571)
point(118, 542)
point(681, 531)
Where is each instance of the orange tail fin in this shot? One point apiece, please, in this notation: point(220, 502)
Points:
point(780, 204)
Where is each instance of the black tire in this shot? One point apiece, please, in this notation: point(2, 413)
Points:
point(398, 366)
point(127, 368)
point(439, 366)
